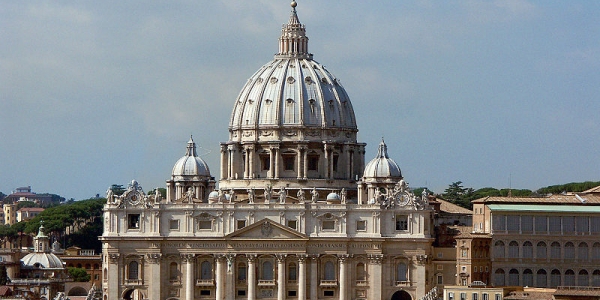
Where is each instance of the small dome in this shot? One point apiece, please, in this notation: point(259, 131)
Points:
point(382, 166)
point(42, 260)
point(214, 195)
point(333, 196)
point(191, 164)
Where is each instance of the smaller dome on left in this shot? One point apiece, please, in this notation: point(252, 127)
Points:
point(190, 164)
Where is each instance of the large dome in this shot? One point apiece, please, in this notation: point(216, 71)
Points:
point(292, 92)
point(190, 164)
point(42, 260)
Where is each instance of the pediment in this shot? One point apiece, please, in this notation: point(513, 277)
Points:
point(266, 229)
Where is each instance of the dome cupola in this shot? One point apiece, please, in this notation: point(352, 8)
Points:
point(190, 164)
point(382, 166)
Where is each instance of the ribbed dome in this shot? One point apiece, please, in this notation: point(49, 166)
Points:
point(191, 164)
point(42, 260)
point(382, 166)
point(292, 91)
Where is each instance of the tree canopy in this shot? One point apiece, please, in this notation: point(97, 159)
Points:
point(573, 187)
point(78, 274)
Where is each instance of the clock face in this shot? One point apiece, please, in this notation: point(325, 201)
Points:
point(134, 198)
point(402, 199)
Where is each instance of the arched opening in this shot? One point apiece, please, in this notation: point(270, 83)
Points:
point(401, 295)
point(133, 294)
point(77, 291)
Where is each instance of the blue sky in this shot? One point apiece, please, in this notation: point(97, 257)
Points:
point(486, 92)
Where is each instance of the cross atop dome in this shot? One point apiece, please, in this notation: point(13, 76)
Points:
point(293, 42)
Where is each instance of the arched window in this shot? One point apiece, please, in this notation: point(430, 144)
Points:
point(499, 249)
point(528, 277)
point(513, 277)
point(569, 251)
point(173, 271)
point(542, 278)
point(292, 272)
point(267, 270)
point(513, 250)
point(105, 274)
point(554, 278)
point(596, 251)
point(541, 250)
point(133, 270)
point(596, 278)
point(555, 250)
point(401, 272)
point(583, 278)
point(570, 278)
point(582, 251)
point(206, 270)
point(360, 272)
point(528, 250)
point(241, 272)
point(499, 277)
point(329, 271)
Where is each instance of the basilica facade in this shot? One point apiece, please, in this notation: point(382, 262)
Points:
point(297, 212)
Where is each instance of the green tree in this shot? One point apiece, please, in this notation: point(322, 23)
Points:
point(22, 204)
point(78, 274)
point(117, 189)
point(459, 195)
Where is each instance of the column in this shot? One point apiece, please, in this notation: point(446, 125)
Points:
point(281, 283)
point(271, 163)
point(246, 159)
point(305, 166)
point(220, 278)
point(326, 163)
point(299, 163)
point(114, 281)
point(251, 161)
point(277, 162)
point(314, 278)
point(251, 273)
point(375, 275)
point(231, 279)
point(189, 260)
point(302, 276)
point(343, 276)
point(155, 278)
point(224, 161)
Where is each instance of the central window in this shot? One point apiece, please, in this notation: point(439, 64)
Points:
point(401, 222)
point(288, 163)
point(313, 162)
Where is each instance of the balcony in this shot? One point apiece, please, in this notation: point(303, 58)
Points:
point(362, 283)
point(403, 283)
point(175, 281)
point(205, 282)
point(329, 283)
point(134, 282)
point(263, 282)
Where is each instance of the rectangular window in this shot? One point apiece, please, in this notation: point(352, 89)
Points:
point(498, 296)
point(288, 163)
point(292, 293)
point(328, 225)
point(498, 223)
point(526, 223)
point(241, 224)
point(463, 296)
point(205, 225)
point(133, 221)
point(313, 162)
point(474, 296)
point(401, 222)
point(485, 296)
point(541, 224)
point(568, 224)
point(292, 224)
point(328, 293)
point(174, 224)
point(440, 267)
point(361, 225)
point(241, 292)
point(266, 163)
point(583, 225)
point(440, 279)
point(450, 296)
point(512, 223)
point(595, 224)
point(335, 162)
point(554, 224)
point(204, 292)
